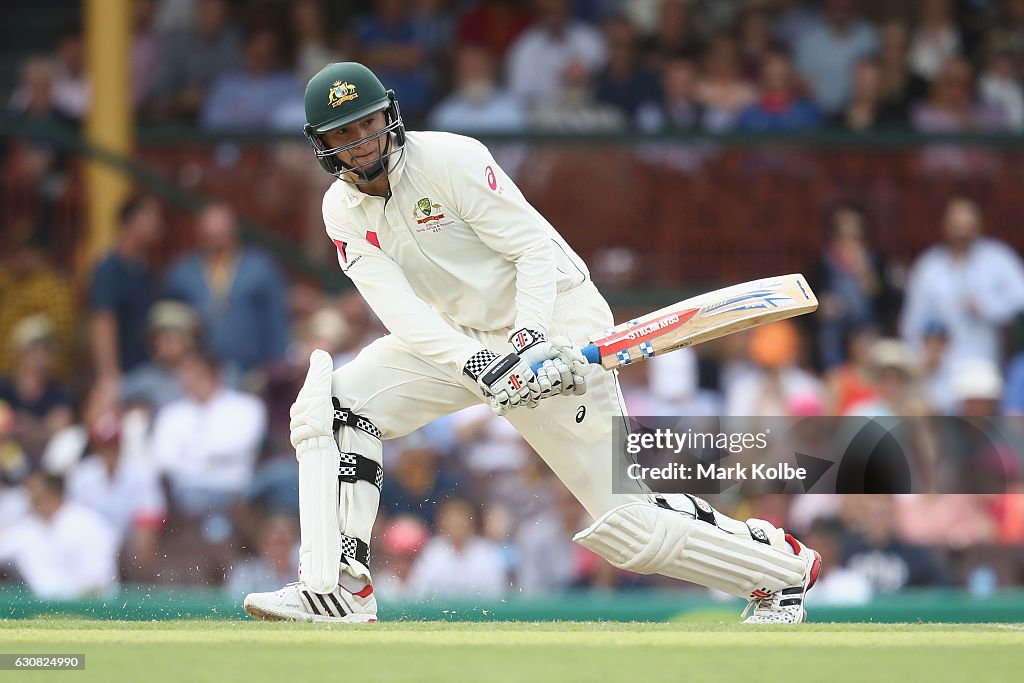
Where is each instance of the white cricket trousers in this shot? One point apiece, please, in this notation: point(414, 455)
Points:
point(400, 391)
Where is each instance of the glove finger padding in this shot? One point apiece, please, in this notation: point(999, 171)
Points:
point(558, 376)
point(577, 363)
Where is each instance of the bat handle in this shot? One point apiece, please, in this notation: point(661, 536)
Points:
point(590, 352)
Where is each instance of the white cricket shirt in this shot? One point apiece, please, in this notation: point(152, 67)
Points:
point(455, 246)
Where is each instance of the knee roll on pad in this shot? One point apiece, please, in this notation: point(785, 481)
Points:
point(649, 539)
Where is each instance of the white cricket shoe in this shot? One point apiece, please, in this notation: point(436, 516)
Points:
point(786, 606)
point(296, 602)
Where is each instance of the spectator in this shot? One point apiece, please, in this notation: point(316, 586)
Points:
point(876, 553)
point(30, 286)
point(274, 487)
point(62, 550)
point(478, 105)
point(754, 40)
point(310, 29)
point(1000, 88)
point(900, 86)
point(276, 562)
point(677, 107)
point(71, 89)
point(529, 492)
point(391, 43)
point(548, 561)
point(722, 92)
point(490, 448)
point(207, 443)
point(794, 18)
point(42, 406)
point(418, 480)
point(14, 467)
point(624, 83)
point(254, 95)
point(936, 369)
point(458, 561)
point(147, 45)
point(673, 34)
point(836, 585)
point(35, 166)
point(404, 537)
point(237, 290)
point(1009, 28)
point(972, 285)
point(1013, 396)
point(952, 107)
point(946, 520)
point(852, 282)
point(867, 109)
point(324, 328)
point(124, 490)
point(852, 382)
point(122, 291)
point(977, 388)
point(192, 59)
point(574, 109)
point(827, 54)
point(894, 374)
point(774, 382)
point(173, 334)
point(779, 106)
point(935, 39)
point(492, 25)
point(541, 55)
point(34, 96)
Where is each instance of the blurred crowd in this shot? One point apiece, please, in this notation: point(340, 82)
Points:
point(143, 423)
point(570, 66)
point(144, 412)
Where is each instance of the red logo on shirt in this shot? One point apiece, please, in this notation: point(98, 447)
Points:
point(492, 182)
point(371, 237)
point(341, 249)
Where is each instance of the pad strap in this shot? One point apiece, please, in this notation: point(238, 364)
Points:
point(355, 548)
point(356, 467)
point(344, 416)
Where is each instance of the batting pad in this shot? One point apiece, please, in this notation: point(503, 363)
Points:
point(340, 476)
point(648, 539)
point(320, 547)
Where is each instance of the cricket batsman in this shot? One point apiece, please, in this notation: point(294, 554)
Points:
point(476, 288)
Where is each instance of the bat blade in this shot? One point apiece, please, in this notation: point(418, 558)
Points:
point(702, 318)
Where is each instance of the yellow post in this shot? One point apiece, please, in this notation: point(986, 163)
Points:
point(109, 123)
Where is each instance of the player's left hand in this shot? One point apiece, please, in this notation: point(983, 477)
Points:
point(561, 363)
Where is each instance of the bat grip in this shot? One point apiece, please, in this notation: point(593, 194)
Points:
point(590, 352)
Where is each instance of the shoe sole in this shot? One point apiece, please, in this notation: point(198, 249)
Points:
point(263, 614)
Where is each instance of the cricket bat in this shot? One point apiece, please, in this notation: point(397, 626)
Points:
point(702, 318)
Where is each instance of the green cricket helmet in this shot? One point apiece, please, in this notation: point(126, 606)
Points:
point(339, 95)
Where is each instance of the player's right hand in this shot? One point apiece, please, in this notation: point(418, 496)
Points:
point(507, 381)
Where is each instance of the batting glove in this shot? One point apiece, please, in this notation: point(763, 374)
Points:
point(507, 381)
point(560, 363)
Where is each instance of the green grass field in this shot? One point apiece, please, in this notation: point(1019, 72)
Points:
point(220, 651)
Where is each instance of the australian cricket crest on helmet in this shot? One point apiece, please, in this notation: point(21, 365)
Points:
point(341, 92)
